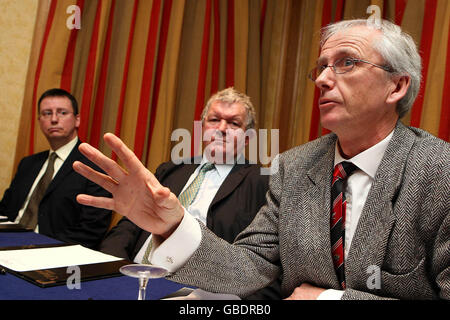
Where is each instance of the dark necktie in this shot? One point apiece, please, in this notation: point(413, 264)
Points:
point(337, 219)
point(30, 216)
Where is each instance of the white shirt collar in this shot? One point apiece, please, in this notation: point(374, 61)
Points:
point(64, 151)
point(369, 160)
point(222, 169)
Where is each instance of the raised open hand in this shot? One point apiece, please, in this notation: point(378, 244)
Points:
point(136, 193)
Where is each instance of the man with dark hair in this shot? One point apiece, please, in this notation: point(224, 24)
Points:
point(57, 92)
point(42, 194)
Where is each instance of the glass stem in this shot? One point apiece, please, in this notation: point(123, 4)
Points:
point(142, 286)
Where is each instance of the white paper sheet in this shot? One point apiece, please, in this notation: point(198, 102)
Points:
point(4, 220)
point(55, 257)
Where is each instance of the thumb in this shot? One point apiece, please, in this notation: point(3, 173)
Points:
point(163, 197)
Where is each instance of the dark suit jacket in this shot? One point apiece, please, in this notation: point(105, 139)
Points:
point(402, 237)
point(233, 208)
point(60, 215)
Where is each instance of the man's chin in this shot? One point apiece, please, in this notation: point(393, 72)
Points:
point(329, 122)
point(58, 139)
point(55, 133)
point(219, 156)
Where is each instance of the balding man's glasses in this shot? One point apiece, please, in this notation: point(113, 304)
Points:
point(343, 65)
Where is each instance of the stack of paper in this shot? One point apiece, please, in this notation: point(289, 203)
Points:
point(53, 257)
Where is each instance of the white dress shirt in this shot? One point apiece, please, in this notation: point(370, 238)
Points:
point(62, 154)
point(198, 209)
point(187, 236)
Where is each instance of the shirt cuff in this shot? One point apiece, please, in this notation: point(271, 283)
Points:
point(331, 294)
point(175, 251)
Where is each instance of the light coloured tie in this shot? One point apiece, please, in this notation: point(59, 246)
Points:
point(186, 198)
point(188, 195)
point(30, 216)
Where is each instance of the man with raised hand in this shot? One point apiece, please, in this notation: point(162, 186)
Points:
point(361, 213)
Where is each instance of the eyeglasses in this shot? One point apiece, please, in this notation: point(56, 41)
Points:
point(60, 113)
point(343, 65)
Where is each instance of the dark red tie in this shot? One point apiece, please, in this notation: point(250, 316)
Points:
point(337, 220)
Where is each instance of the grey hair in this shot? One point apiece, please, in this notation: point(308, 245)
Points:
point(231, 95)
point(396, 47)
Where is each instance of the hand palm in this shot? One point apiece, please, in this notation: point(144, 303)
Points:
point(137, 194)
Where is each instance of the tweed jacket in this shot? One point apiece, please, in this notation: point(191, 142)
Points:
point(402, 236)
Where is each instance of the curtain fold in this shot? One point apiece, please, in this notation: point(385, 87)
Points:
point(143, 68)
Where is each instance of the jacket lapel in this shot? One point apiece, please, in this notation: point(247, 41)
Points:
point(377, 217)
point(318, 212)
point(32, 170)
point(181, 177)
point(176, 175)
point(234, 178)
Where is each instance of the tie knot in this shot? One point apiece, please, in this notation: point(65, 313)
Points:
point(343, 170)
point(52, 157)
point(206, 167)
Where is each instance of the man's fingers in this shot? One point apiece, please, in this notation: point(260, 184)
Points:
point(98, 202)
point(127, 156)
point(101, 179)
point(108, 165)
point(129, 159)
point(160, 195)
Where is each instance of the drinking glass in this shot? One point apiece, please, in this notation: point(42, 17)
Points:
point(143, 272)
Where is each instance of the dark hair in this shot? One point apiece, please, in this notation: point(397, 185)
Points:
point(57, 92)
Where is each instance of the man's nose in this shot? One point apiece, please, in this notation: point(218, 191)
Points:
point(326, 79)
point(223, 126)
point(54, 118)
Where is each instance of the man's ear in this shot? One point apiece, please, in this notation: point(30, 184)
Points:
point(77, 121)
point(401, 84)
